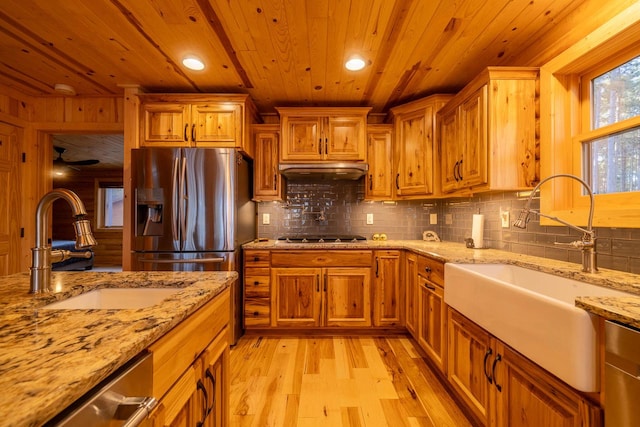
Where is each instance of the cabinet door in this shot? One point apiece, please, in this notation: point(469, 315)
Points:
point(345, 138)
point(302, 139)
point(348, 296)
point(411, 284)
point(527, 395)
point(379, 181)
point(469, 354)
point(450, 151)
point(473, 117)
point(432, 323)
point(216, 124)
point(415, 153)
point(179, 407)
point(388, 291)
point(298, 296)
point(166, 123)
point(214, 378)
point(267, 181)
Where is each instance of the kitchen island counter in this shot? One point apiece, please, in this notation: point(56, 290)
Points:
point(622, 309)
point(50, 358)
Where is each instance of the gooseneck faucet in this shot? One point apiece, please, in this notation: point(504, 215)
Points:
point(588, 242)
point(42, 256)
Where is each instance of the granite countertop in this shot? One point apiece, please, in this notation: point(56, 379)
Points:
point(50, 358)
point(622, 309)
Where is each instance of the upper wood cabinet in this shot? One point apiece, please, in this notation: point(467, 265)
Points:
point(183, 120)
point(379, 180)
point(415, 153)
point(268, 184)
point(489, 133)
point(322, 134)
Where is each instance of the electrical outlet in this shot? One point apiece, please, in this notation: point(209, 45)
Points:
point(369, 219)
point(266, 219)
point(448, 219)
point(433, 219)
point(504, 218)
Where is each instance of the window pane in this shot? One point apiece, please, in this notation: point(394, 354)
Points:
point(113, 202)
point(612, 163)
point(616, 94)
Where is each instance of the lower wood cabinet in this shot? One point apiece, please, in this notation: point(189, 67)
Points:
point(388, 304)
point(321, 297)
point(503, 388)
point(194, 392)
point(431, 312)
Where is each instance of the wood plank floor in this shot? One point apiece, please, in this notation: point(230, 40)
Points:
point(336, 381)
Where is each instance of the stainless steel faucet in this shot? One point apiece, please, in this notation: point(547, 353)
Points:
point(42, 256)
point(588, 242)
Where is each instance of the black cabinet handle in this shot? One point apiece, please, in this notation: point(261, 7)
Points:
point(455, 171)
point(193, 132)
point(493, 371)
point(326, 146)
point(320, 146)
point(317, 283)
point(212, 380)
point(186, 127)
point(428, 286)
point(370, 182)
point(484, 365)
point(205, 402)
point(326, 279)
point(275, 181)
point(256, 283)
point(397, 181)
point(256, 313)
point(377, 267)
point(460, 170)
point(427, 270)
point(256, 258)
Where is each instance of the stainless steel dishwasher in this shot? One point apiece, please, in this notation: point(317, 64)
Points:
point(622, 376)
point(123, 400)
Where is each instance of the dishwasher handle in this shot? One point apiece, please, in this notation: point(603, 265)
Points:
point(134, 410)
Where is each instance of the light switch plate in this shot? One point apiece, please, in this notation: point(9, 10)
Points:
point(266, 219)
point(504, 218)
point(433, 219)
point(369, 219)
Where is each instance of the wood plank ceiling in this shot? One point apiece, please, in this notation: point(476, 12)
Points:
point(283, 52)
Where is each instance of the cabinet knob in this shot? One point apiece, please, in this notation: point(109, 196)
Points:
point(256, 283)
point(256, 258)
point(427, 269)
point(255, 313)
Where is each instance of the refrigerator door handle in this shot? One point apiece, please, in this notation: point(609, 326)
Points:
point(216, 260)
point(174, 195)
point(183, 201)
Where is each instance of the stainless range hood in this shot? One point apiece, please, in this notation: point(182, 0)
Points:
point(332, 171)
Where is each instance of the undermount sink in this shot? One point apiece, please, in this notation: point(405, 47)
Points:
point(114, 299)
point(534, 313)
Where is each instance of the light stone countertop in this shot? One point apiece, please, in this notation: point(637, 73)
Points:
point(50, 358)
point(622, 309)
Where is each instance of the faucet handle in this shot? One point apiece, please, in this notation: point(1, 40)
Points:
point(577, 244)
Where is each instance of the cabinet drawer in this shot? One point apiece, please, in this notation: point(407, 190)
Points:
point(431, 270)
point(256, 286)
point(336, 258)
point(256, 259)
point(257, 312)
point(257, 271)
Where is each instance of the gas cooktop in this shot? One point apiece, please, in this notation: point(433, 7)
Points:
point(329, 238)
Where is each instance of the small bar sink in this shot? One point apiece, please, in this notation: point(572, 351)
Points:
point(534, 313)
point(114, 299)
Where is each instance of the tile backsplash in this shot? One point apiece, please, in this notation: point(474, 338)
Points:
point(338, 207)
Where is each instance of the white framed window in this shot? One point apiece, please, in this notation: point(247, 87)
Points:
point(109, 204)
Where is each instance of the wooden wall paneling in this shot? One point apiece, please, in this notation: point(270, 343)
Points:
point(10, 215)
point(131, 131)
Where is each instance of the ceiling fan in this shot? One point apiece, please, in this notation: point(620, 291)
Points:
point(60, 162)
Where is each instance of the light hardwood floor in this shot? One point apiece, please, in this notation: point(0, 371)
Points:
point(336, 381)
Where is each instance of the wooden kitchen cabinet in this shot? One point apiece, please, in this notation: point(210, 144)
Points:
point(432, 313)
point(257, 289)
point(321, 297)
point(183, 120)
point(411, 292)
point(415, 153)
point(388, 308)
point(191, 390)
point(379, 181)
point(489, 133)
point(268, 183)
point(503, 388)
point(321, 288)
point(323, 134)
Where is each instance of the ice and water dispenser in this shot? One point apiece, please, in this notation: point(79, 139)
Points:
point(149, 211)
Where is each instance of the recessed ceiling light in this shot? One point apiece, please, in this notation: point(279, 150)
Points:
point(355, 63)
point(64, 89)
point(193, 63)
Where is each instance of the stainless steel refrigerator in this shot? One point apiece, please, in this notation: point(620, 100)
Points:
point(193, 211)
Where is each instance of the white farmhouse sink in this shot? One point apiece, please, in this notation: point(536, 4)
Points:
point(114, 298)
point(534, 313)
